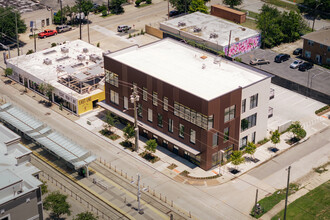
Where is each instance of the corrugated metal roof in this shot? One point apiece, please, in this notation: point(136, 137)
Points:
point(50, 139)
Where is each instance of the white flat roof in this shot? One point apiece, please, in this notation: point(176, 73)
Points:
point(210, 24)
point(34, 65)
point(182, 66)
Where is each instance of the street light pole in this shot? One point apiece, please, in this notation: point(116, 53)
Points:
point(315, 15)
point(135, 98)
point(287, 192)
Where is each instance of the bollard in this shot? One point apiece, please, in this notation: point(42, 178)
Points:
point(171, 203)
point(160, 196)
point(126, 175)
point(189, 214)
point(105, 162)
point(131, 178)
point(115, 168)
point(121, 172)
point(153, 193)
point(71, 193)
point(165, 199)
point(110, 165)
point(148, 189)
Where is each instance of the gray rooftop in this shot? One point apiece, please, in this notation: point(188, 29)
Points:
point(321, 36)
point(52, 140)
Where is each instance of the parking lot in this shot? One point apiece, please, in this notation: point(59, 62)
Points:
point(317, 78)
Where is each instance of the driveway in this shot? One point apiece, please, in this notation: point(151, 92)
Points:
point(317, 78)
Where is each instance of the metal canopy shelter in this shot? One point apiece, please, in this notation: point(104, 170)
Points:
point(74, 154)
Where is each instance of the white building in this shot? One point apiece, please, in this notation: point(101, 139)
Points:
point(20, 194)
point(74, 70)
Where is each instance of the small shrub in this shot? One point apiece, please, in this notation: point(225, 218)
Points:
point(44, 187)
point(142, 32)
point(322, 109)
point(172, 166)
point(129, 35)
point(29, 52)
point(137, 3)
point(184, 173)
point(322, 168)
point(89, 123)
point(98, 44)
point(138, 34)
point(53, 45)
point(148, 2)
point(134, 35)
point(8, 71)
point(149, 157)
point(264, 141)
point(104, 13)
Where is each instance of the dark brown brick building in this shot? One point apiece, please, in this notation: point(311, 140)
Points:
point(185, 102)
point(317, 46)
point(228, 13)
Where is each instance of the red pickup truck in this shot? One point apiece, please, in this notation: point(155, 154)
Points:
point(47, 33)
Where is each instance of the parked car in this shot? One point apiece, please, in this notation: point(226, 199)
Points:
point(122, 28)
point(281, 57)
point(47, 33)
point(256, 61)
point(297, 51)
point(305, 66)
point(173, 13)
point(63, 28)
point(296, 64)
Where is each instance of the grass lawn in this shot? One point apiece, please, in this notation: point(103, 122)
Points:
point(282, 4)
point(313, 205)
point(251, 14)
point(269, 202)
point(297, 1)
point(250, 24)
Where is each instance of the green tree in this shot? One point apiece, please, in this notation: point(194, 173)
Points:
point(198, 5)
point(276, 137)
point(232, 3)
point(57, 17)
point(151, 146)
point(48, 89)
point(111, 121)
point(181, 5)
point(8, 71)
point(297, 130)
point(236, 158)
point(57, 204)
point(116, 6)
point(29, 52)
point(316, 8)
point(251, 149)
point(85, 216)
point(129, 132)
point(268, 22)
point(292, 26)
point(8, 25)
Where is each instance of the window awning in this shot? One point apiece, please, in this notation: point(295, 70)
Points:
point(149, 128)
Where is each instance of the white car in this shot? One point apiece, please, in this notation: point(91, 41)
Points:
point(296, 64)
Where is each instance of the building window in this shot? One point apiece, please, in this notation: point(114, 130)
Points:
point(165, 103)
point(225, 135)
point(165, 143)
point(160, 120)
point(139, 110)
point(170, 125)
point(249, 122)
point(216, 158)
point(253, 101)
point(204, 122)
point(228, 151)
point(210, 122)
point(308, 54)
point(253, 137)
point(114, 97)
point(230, 113)
point(113, 79)
point(155, 98)
point(187, 114)
point(145, 94)
point(149, 114)
point(181, 130)
point(193, 117)
point(243, 105)
point(328, 48)
point(215, 139)
point(181, 111)
point(321, 45)
point(192, 136)
point(176, 109)
point(243, 143)
point(328, 60)
point(125, 102)
point(199, 119)
point(310, 43)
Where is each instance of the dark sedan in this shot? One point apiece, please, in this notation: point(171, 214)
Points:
point(305, 66)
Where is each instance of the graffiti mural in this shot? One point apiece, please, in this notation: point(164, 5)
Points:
point(243, 46)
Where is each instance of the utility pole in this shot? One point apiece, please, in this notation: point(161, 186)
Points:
point(108, 7)
point(88, 29)
point(168, 9)
point(255, 204)
point(287, 192)
point(16, 33)
point(229, 43)
point(80, 18)
point(61, 11)
point(139, 194)
point(135, 98)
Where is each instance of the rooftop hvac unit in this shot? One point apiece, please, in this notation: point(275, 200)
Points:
point(213, 35)
point(94, 57)
point(81, 57)
point(47, 61)
point(60, 68)
point(181, 24)
point(85, 50)
point(65, 49)
point(196, 29)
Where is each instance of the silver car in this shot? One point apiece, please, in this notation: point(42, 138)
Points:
point(63, 28)
point(296, 64)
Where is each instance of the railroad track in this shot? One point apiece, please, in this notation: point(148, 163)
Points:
point(132, 188)
point(104, 208)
